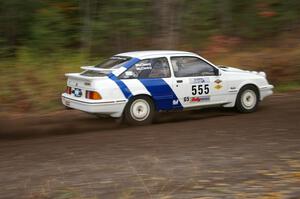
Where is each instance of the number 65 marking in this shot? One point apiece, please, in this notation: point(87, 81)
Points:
point(200, 89)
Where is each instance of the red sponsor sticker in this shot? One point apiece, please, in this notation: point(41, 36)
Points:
point(196, 99)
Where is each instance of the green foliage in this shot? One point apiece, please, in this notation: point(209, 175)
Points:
point(115, 24)
point(49, 31)
point(199, 20)
point(94, 26)
point(288, 86)
point(15, 21)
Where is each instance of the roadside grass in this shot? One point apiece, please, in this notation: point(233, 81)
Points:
point(35, 83)
point(288, 86)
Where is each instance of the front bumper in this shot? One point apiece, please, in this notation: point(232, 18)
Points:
point(111, 108)
point(266, 91)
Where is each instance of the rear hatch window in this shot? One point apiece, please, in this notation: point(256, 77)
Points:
point(91, 73)
point(114, 62)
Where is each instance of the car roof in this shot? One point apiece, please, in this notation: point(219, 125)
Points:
point(151, 53)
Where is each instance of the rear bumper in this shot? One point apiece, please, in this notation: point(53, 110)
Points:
point(111, 108)
point(266, 91)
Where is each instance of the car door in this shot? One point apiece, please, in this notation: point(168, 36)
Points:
point(196, 82)
point(152, 77)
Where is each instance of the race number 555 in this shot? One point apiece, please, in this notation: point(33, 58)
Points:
point(200, 89)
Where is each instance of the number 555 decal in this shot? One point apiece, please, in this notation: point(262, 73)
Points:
point(200, 89)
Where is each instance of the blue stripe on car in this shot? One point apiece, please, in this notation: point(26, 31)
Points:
point(125, 90)
point(131, 62)
point(162, 94)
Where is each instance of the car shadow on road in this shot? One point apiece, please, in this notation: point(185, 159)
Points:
point(200, 114)
point(58, 125)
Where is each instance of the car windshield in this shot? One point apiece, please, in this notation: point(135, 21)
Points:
point(113, 62)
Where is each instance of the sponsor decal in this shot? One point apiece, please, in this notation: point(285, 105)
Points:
point(218, 81)
point(218, 86)
point(199, 80)
point(206, 98)
point(143, 66)
point(233, 89)
point(196, 99)
point(175, 102)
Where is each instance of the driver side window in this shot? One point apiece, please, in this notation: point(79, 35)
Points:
point(191, 67)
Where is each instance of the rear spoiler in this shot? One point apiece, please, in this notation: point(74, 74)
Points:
point(92, 68)
point(78, 76)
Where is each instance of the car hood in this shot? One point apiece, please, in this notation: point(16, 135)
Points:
point(237, 70)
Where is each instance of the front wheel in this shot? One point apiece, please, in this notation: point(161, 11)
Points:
point(139, 111)
point(247, 99)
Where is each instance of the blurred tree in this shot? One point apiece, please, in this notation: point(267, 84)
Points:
point(199, 21)
point(224, 15)
point(167, 22)
point(114, 25)
point(15, 20)
point(95, 26)
point(53, 28)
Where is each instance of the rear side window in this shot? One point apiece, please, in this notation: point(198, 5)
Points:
point(113, 62)
point(148, 68)
point(191, 66)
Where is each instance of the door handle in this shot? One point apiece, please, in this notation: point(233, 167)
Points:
point(179, 81)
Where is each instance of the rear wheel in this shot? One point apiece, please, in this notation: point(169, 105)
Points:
point(247, 99)
point(139, 111)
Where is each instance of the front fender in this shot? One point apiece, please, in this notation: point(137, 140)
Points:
point(247, 82)
point(236, 90)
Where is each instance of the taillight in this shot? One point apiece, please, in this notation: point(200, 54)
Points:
point(69, 90)
point(93, 95)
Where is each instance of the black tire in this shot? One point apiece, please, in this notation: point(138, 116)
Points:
point(132, 111)
point(244, 105)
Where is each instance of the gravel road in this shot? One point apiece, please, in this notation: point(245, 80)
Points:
point(196, 154)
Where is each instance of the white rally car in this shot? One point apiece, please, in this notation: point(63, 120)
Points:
point(138, 84)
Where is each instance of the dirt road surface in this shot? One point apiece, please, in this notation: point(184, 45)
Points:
point(199, 154)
